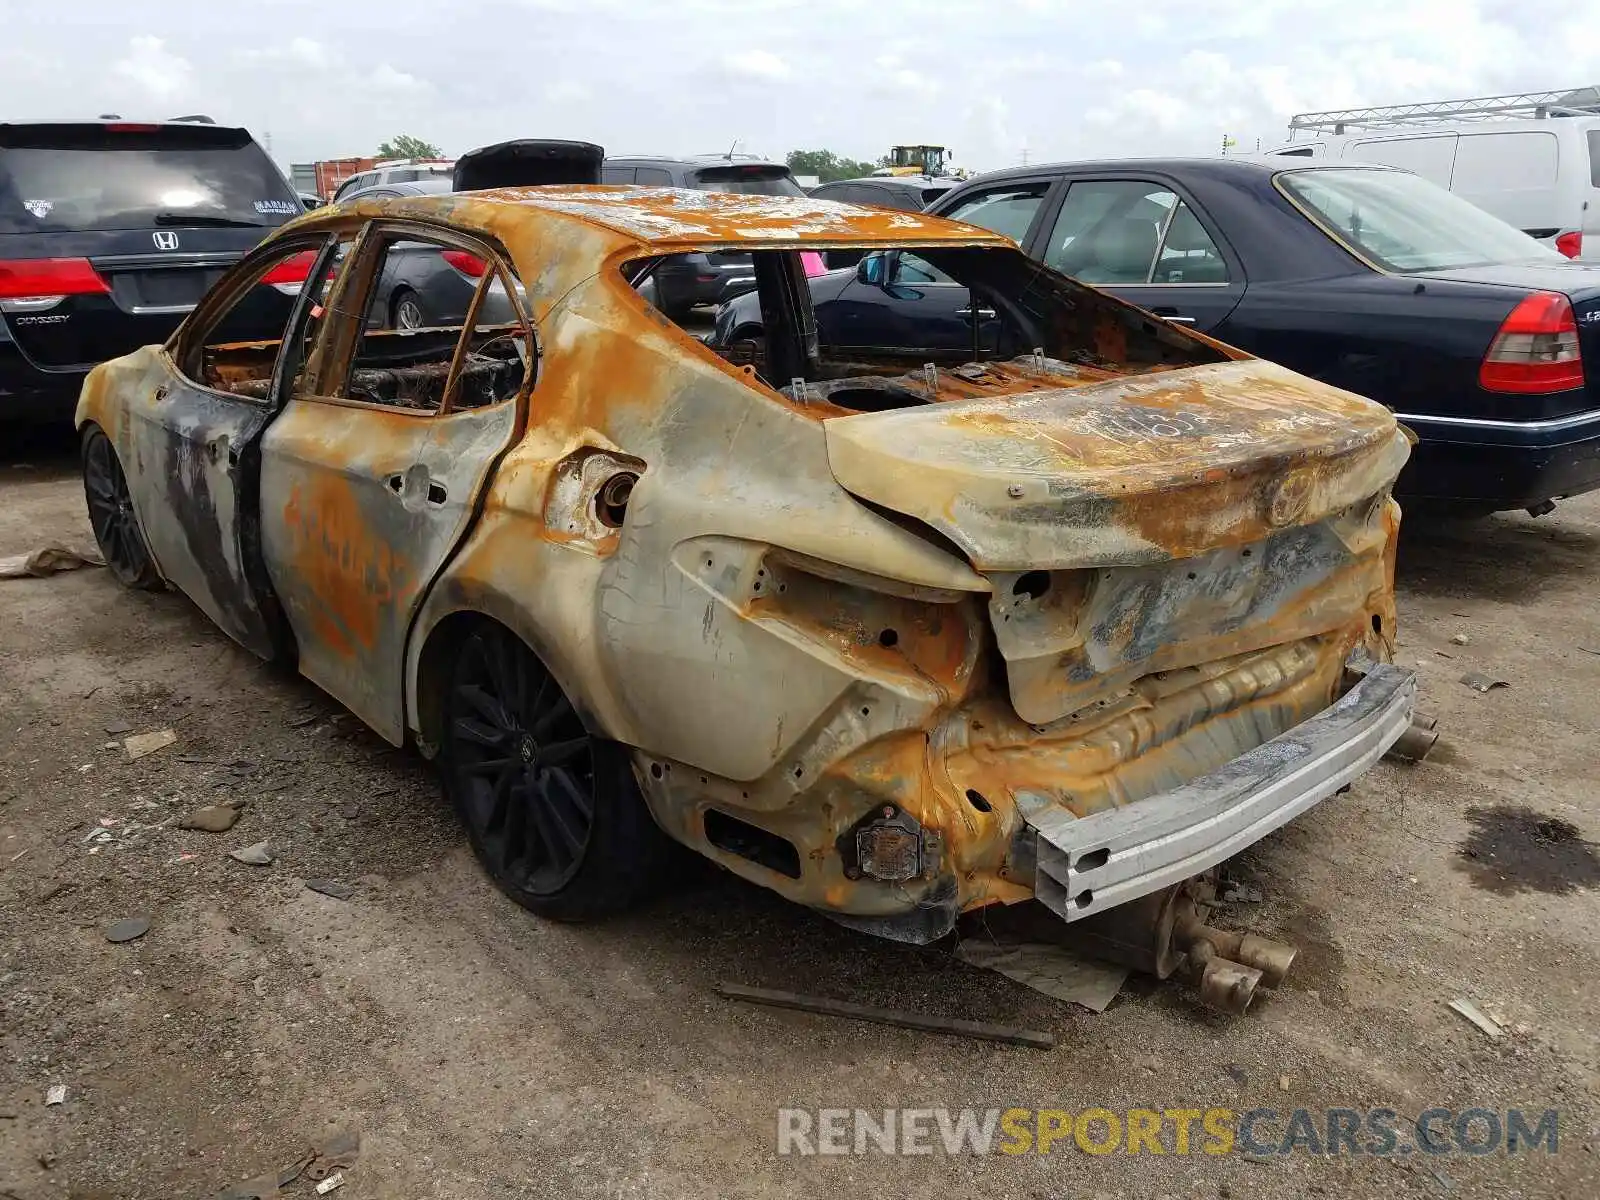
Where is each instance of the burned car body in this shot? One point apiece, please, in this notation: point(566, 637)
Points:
point(1072, 613)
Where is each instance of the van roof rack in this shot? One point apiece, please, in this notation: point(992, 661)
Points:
point(1571, 102)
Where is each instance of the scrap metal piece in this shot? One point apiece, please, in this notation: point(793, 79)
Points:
point(1415, 744)
point(128, 929)
point(47, 560)
point(1478, 1017)
point(141, 744)
point(1052, 969)
point(981, 1030)
point(1479, 682)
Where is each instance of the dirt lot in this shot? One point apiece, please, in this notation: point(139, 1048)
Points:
point(483, 1053)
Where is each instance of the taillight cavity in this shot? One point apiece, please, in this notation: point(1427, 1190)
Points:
point(32, 284)
point(1536, 348)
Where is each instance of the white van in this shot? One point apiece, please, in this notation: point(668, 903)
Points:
point(1531, 160)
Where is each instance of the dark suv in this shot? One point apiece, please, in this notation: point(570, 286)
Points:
point(687, 280)
point(110, 231)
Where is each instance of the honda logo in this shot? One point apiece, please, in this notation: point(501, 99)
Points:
point(165, 240)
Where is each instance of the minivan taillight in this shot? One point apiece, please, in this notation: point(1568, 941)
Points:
point(30, 283)
point(290, 274)
point(1536, 349)
point(1570, 244)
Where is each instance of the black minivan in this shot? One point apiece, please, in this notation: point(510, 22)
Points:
point(110, 232)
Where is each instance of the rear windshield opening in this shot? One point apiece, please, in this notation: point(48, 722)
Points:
point(752, 180)
point(71, 178)
point(969, 321)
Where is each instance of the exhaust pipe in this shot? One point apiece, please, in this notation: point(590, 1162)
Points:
point(1165, 933)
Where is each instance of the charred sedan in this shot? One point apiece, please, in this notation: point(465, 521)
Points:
point(1072, 611)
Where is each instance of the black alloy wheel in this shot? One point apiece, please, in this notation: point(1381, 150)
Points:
point(116, 529)
point(552, 811)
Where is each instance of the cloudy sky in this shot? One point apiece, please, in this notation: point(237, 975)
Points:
point(1059, 78)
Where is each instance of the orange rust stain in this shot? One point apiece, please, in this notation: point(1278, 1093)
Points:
point(353, 575)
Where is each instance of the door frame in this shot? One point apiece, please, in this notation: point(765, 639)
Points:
point(332, 361)
point(244, 594)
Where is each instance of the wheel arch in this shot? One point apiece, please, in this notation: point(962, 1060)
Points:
point(446, 622)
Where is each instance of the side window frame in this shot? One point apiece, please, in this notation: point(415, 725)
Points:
point(330, 363)
point(186, 346)
point(1039, 238)
point(1049, 201)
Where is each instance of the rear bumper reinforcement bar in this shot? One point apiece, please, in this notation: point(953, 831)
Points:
point(1089, 864)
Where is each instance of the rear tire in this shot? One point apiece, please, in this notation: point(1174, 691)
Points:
point(116, 528)
point(553, 813)
point(406, 312)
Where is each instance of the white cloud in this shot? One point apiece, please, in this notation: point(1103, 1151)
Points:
point(567, 91)
point(756, 64)
point(389, 78)
point(987, 76)
point(154, 69)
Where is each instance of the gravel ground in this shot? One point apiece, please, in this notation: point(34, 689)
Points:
point(482, 1053)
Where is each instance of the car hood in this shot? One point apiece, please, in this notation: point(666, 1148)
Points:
point(1132, 470)
point(1576, 279)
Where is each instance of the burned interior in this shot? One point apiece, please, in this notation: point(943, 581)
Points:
point(1029, 329)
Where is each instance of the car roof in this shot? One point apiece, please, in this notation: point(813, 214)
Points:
point(697, 160)
point(1234, 167)
point(661, 216)
point(409, 187)
point(920, 183)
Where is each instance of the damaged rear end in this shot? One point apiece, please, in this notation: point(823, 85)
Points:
point(1191, 606)
point(1162, 629)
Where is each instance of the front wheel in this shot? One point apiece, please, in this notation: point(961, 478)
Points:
point(116, 529)
point(553, 812)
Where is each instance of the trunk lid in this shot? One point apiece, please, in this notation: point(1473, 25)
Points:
point(1144, 525)
point(1133, 470)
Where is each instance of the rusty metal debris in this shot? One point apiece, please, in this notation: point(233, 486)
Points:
point(1071, 609)
point(1478, 1017)
point(982, 1030)
point(141, 744)
point(47, 560)
point(1049, 968)
point(257, 855)
point(1479, 682)
point(128, 929)
point(213, 818)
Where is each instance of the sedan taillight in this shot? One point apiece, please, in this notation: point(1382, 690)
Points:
point(1570, 244)
point(33, 283)
point(1536, 349)
point(468, 264)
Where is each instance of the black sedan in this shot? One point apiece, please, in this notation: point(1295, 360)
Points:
point(1484, 342)
point(421, 286)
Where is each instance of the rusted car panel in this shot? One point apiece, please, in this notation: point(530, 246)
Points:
point(869, 659)
point(185, 455)
point(360, 509)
